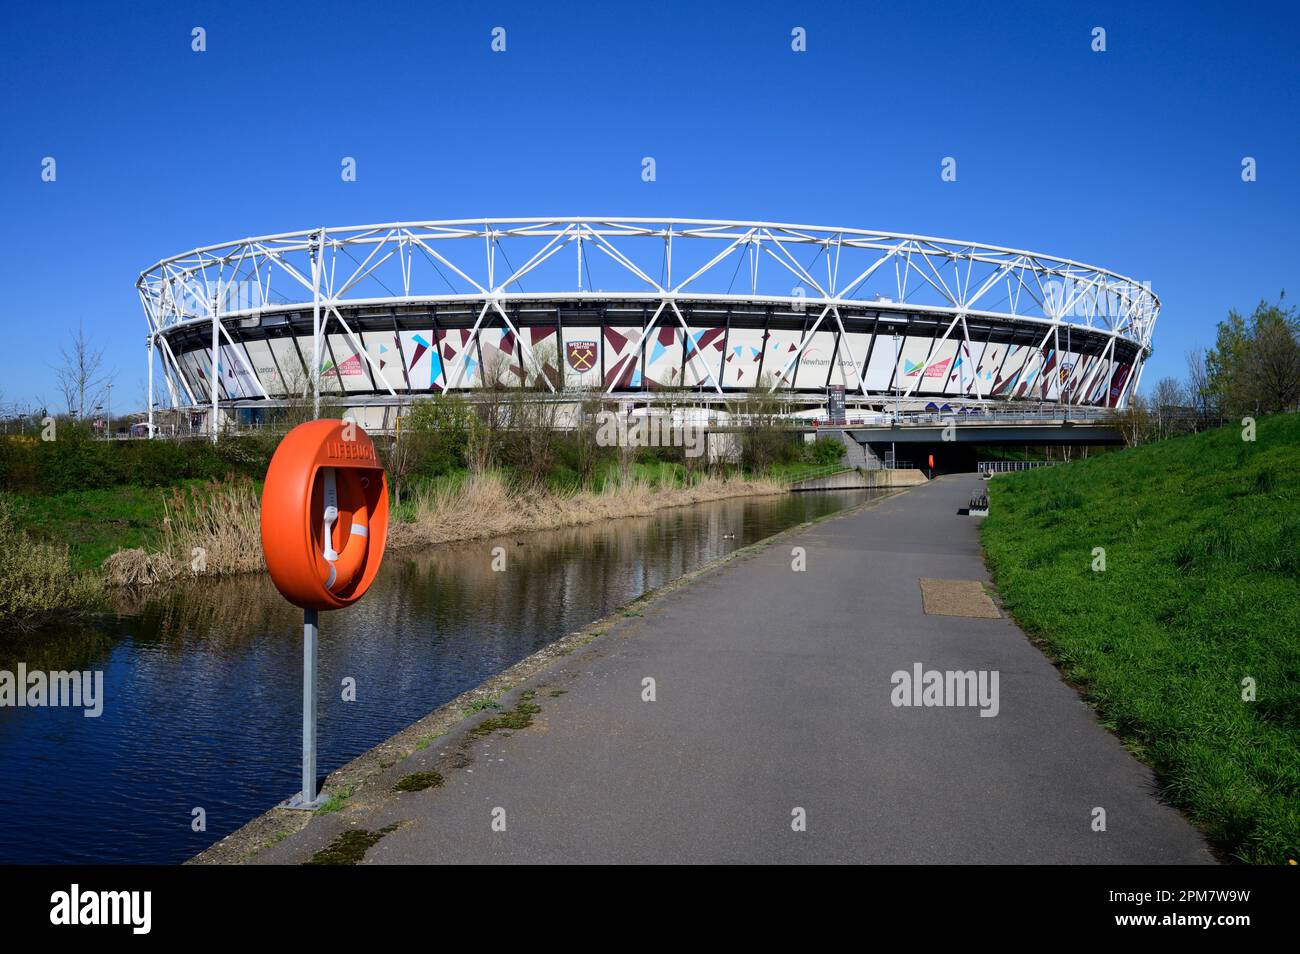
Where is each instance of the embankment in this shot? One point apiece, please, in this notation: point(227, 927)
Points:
point(1165, 582)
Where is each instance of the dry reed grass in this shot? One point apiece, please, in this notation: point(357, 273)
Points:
point(213, 529)
point(221, 519)
point(136, 567)
point(486, 505)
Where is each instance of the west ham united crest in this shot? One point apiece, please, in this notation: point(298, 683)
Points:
point(580, 354)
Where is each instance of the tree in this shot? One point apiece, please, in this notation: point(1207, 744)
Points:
point(1273, 378)
point(1167, 400)
point(764, 438)
point(437, 431)
point(1254, 366)
point(584, 435)
point(1134, 421)
point(1169, 393)
point(1199, 393)
point(81, 377)
point(399, 455)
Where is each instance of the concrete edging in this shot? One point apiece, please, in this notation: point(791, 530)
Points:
point(368, 778)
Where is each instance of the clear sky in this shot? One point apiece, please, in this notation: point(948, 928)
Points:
point(1128, 159)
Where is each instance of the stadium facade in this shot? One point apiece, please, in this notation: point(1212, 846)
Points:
point(637, 309)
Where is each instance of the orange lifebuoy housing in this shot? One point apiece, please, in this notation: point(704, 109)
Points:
point(324, 514)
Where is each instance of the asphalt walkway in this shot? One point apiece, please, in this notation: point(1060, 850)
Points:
point(773, 693)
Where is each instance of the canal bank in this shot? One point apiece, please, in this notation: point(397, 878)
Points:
point(202, 680)
point(775, 728)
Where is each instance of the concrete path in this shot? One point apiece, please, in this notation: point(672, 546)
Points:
point(774, 693)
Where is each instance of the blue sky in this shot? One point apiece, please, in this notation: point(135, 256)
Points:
point(1128, 159)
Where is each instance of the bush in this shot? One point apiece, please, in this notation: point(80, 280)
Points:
point(77, 460)
point(824, 451)
point(36, 579)
point(439, 432)
point(20, 466)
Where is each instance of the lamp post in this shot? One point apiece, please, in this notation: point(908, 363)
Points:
point(893, 449)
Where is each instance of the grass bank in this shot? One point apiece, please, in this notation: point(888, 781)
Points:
point(109, 513)
point(37, 577)
point(1198, 606)
point(67, 548)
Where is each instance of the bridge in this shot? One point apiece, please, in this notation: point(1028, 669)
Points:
point(953, 441)
point(1048, 425)
point(952, 437)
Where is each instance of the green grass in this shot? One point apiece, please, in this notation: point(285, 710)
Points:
point(93, 523)
point(1201, 590)
point(798, 470)
point(336, 801)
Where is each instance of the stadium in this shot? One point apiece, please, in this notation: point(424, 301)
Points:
point(641, 310)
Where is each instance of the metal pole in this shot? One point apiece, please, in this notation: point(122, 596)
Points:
point(893, 449)
point(150, 395)
point(896, 350)
point(1073, 360)
point(215, 369)
point(316, 250)
point(310, 634)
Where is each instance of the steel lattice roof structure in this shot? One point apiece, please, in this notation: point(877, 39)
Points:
point(632, 305)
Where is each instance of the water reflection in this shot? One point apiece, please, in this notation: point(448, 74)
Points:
point(202, 683)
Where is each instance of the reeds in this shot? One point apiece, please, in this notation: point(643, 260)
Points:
point(36, 578)
point(488, 505)
point(214, 528)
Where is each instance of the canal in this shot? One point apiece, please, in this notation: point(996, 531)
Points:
point(202, 683)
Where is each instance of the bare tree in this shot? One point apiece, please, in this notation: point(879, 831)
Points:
point(586, 418)
point(1134, 421)
point(1167, 401)
point(1199, 392)
point(399, 455)
point(81, 377)
point(491, 409)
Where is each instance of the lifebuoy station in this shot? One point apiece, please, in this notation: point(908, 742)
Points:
point(324, 523)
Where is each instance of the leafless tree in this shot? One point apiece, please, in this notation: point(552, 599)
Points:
point(399, 455)
point(491, 410)
point(1199, 393)
point(81, 376)
point(1134, 421)
point(586, 425)
point(1167, 401)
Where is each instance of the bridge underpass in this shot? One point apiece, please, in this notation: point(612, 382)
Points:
point(967, 442)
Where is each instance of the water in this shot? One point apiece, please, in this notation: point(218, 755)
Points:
point(202, 684)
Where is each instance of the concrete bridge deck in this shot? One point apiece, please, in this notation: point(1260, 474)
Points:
point(773, 694)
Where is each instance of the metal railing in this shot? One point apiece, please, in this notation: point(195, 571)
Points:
point(1012, 466)
point(827, 470)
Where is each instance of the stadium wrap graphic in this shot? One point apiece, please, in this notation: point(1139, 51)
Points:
point(672, 303)
point(581, 355)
